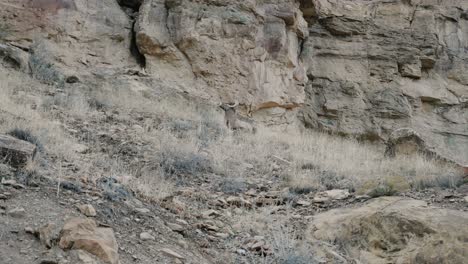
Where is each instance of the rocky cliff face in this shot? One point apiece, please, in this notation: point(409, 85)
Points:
point(362, 68)
point(376, 66)
point(246, 51)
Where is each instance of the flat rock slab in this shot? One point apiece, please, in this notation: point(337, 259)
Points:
point(15, 152)
point(396, 230)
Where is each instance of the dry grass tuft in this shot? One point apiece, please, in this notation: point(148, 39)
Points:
point(182, 137)
point(19, 112)
point(316, 161)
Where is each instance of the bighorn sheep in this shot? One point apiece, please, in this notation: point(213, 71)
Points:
point(230, 114)
point(234, 121)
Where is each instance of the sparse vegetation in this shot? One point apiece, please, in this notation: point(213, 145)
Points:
point(26, 135)
point(195, 142)
point(42, 67)
point(233, 185)
point(179, 143)
point(166, 148)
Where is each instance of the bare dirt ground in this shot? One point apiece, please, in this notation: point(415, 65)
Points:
point(178, 224)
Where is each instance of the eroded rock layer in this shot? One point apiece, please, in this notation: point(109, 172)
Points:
point(363, 68)
point(377, 66)
point(246, 51)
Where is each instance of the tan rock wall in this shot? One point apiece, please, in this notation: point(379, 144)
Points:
point(377, 66)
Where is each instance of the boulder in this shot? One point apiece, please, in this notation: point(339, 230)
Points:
point(18, 212)
point(87, 210)
point(405, 141)
point(82, 257)
point(47, 234)
point(395, 230)
point(145, 236)
point(84, 234)
point(16, 152)
point(14, 57)
point(245, 51)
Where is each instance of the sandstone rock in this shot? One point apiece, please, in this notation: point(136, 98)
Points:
point(374, 74)
point(331, 195)
point(210, 213)
point(83, 234)
point(146, 236)
point(87, 210)
point(85, 258)
point(15, 57)
point(303, 203)
point(13, 184)
point(16, 152)
point(47, 235)
point(374, 66)
point(404, 141)
point(396, 230)
point(176, 227)
point(18, 212)
point(411, 70)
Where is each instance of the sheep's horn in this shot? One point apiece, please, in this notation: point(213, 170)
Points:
point(233, 105)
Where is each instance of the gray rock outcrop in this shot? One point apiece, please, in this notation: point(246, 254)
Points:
point(378, 66)
point(395, 230)
point(15, 152)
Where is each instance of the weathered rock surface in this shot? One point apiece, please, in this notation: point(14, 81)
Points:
point(59, 38)
point(378, 66)
point(364, 68)
point(396, 230)
point(83, 234)
point(16, 152)
point(87, 210)
point(229, 50)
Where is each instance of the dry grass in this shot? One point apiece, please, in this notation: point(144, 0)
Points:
point(19, 110)
point(320, 161)
point(182, 138)
point(287, 246)
point(190, 141)
point(152, 184)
